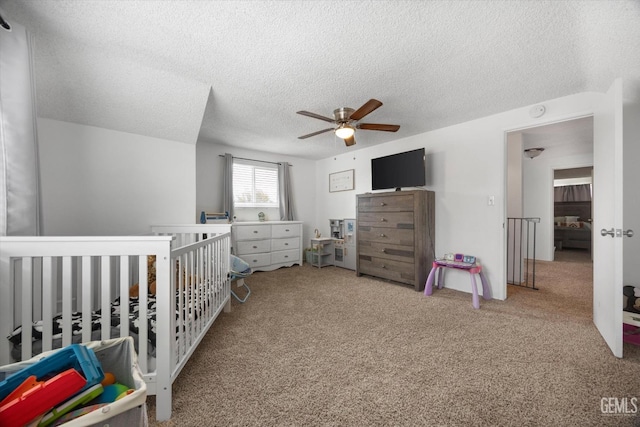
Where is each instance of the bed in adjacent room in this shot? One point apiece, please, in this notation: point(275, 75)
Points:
point(572, 225)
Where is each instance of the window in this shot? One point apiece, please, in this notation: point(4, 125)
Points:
point(255, 185)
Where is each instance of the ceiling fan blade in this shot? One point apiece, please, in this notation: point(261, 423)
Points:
point(377, 126)
point(315, 133)
point(316, 116)
point(349, 141)
point(367, 108)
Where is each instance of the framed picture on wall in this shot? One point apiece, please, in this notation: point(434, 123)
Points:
point(341, 181)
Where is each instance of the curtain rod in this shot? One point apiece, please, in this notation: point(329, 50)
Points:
point(254, 160)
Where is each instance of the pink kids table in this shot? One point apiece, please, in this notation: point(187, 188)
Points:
point(473, 269)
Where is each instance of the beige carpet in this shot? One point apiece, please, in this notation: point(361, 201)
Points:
point(322, 347)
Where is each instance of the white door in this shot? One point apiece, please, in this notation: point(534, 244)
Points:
point(607, 218)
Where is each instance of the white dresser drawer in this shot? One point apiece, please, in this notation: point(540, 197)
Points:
point(244, 232)
point(253, 246)
point(285, 230)
point(257, 260)
point(285, 256)
point(282, 244)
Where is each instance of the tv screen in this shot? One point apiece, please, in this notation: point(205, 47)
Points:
point(398, 170)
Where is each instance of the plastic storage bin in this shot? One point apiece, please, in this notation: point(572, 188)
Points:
point(118, 357)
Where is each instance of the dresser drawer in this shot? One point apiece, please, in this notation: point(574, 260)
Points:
point(396, 236)
point(257, 260)
point(252, 246)
point(390, 203)
point(285, 230)
point(244, 232)
point(387, 251)
point(386, 219)
point(292, 255)
point(387, 269)
point(282, 244)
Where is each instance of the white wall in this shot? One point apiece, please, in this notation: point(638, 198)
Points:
point(102, 182)
point(538, 187)
point(465, 165)
point(631, 198)
point(209, 183)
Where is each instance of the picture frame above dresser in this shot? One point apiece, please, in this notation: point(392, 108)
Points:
point(396, 236)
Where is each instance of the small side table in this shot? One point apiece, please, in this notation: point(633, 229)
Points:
point(473, 269)
point(325, 254)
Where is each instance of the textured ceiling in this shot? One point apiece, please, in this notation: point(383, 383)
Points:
point(235, 72)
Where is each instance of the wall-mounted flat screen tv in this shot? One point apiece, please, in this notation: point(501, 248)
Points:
point(399, 170)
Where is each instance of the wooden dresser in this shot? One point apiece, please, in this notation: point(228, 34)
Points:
point(268, 245)
point(396, 236)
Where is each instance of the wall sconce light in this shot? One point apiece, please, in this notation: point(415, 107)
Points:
point(533, 152)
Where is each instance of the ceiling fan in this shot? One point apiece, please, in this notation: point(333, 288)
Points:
point(345, 119)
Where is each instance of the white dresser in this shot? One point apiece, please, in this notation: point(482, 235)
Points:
point(266, 246)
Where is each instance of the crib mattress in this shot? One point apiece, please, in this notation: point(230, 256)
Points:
point(96, 326)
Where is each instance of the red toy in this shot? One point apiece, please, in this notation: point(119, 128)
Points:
point(41, 398)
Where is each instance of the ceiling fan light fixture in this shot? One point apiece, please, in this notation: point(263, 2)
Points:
point(345, 131)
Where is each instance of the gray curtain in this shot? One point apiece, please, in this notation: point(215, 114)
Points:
point(227, 191)
point(284, 189)
point(19, 168)
point(572, 193)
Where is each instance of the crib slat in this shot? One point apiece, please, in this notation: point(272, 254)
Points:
point(124, 295)
point(105, 295)
point(87, 296)
point(67, 299)
point(192, 302)
point(203, 286)
point(27, 315)
point(174, 321)
point(179, 277)
point(47, 303)
point(143, 333)
point(36, 305)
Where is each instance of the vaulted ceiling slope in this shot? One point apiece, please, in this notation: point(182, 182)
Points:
point(157, 67)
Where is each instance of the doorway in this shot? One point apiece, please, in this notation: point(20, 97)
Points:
point(573, 214)
point(563, 272)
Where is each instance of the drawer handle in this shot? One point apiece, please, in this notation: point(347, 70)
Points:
point(382, 219)
point(286, 244)
point(287, 230)
point(255, 231)
point(254, 247)
point(382, 235)
point(286, 256)
point(383, 266)
point(255, 260)
point(383, 204)
point(384, 251)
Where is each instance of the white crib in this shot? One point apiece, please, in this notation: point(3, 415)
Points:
point(74, 277)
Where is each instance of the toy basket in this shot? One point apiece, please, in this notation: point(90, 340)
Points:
point(118, 357)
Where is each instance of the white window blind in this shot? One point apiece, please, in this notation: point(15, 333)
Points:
point(255, 185)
